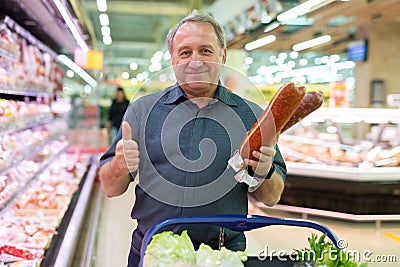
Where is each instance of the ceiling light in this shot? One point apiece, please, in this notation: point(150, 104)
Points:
point(140, 77)
point(78, 70)
point(331, 129)
point(300, 21)
point(303, 62)
point(104, 21)
point(68, 20)
point(272, 26)
point(105, 31)
point(335, 57)
point(167, 56)
point(311, 43)
point(248, 60)
point(163, 78)
point(294, 54)
point(107, 40)
point(279, 61)
point(87, 89)
point(317, 61)
point(134, 81)
point(70, 73)
point(158, 54)
point(133, 66)
point(154, 59)
point(102, 5)
point(299, 10)
point(125, 75)
point(282, 55)
point(260, 42)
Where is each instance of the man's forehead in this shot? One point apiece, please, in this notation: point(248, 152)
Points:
point(195, 29)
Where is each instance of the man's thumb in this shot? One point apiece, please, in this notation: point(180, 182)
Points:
point(126, 131)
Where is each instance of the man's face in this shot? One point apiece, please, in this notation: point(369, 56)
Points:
point(197, 58)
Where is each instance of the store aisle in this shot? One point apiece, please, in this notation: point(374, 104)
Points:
point(115, 227)
point(114, 230)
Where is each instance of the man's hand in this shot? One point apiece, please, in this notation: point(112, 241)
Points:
point(265, 157)
point(126, 152)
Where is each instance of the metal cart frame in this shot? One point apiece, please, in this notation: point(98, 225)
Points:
point(237, 223)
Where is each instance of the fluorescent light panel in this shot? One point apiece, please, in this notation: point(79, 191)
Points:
point(260, 42)
point(311, 43)
point(272, 26)
point(102, 5)
point(299, 10)
point(78, 70)
point(71, 25)
point(105, 31)
point(107, 40)
point(104, 21)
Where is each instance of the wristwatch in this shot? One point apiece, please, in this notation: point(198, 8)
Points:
point(269, 174)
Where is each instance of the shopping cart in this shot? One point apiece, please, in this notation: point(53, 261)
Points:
point(241, 223)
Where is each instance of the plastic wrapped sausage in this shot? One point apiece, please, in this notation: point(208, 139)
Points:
point(311, 102)
point(266, 130)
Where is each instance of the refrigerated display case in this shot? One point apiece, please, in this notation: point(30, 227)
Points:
point(45, 179)
point(344, 162)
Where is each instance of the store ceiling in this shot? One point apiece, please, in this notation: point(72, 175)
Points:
point(138, 28)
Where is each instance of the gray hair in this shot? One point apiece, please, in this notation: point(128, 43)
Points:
point(198, 16)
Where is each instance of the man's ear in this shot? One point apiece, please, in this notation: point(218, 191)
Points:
point(224, 56)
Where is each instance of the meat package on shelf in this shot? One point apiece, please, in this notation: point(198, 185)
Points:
point(20, 144)
point(362, 138)
point(319, 152)
point(26, 64)
point(14, 114)
point(29, 222)
point(15, 177)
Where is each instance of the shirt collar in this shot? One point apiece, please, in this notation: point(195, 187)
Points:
point(222, 94)
point(174, 93)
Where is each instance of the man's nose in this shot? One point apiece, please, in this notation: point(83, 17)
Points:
point(195, 61)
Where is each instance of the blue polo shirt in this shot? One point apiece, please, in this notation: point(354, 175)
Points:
point(184, 153)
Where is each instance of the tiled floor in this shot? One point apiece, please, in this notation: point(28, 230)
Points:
point(115, 227)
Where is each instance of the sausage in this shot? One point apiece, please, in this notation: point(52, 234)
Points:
point(281, 107)
point(311, 102)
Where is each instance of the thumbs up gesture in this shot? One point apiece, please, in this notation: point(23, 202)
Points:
point(126, 152)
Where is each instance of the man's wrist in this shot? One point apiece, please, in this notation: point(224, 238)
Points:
point(269, 174)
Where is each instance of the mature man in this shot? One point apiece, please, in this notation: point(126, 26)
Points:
point(184, 136)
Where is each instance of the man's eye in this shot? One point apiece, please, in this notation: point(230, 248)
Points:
point(206, 51)
point(184, 53)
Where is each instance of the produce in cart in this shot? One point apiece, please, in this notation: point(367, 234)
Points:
point(322, 253)
point(173, 250)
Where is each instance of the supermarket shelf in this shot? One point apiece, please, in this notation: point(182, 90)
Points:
point(7, 55)
point(26, 34)
point(31, 151)
point(373, 174)
point(70, 239)
point(24, 95)
point(17, 126)
point(5, 204)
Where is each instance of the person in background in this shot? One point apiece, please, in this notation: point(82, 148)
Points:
point(117, 110)
point(184, 136)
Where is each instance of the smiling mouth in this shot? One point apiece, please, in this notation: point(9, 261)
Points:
point(196, 72)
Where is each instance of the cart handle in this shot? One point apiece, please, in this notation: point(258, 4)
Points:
point(236, 223)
